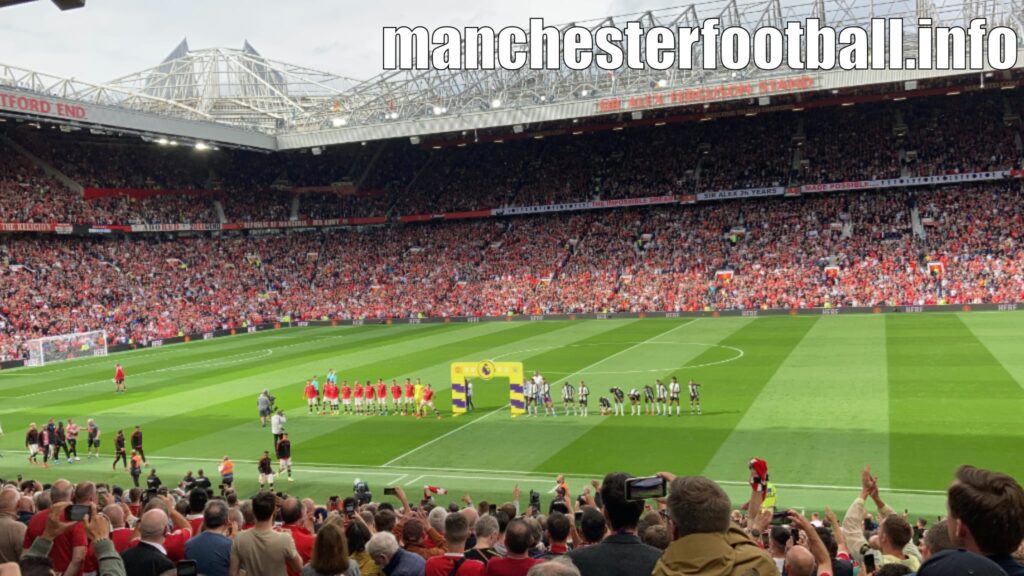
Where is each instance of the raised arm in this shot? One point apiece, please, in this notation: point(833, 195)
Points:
point(814, 543)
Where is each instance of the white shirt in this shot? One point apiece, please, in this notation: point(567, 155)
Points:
point(277, 423)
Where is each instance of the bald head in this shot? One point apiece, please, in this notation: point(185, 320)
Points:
point(60, 491)
point(115, 514)
point(799, 562)
point(85, 493)
point(153, 525)
point(9, 501)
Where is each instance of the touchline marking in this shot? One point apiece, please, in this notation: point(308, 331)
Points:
point(494, 475)
point(443, 436)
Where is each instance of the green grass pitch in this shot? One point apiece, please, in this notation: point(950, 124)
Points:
point(914, 395)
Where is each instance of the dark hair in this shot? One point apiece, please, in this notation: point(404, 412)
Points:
point(503, 520)
point(518, 536)
point(197, 500)
point(592, 525)
point(263, 506)
point(384, 520)
point(559, 526)
point(828, 540)
point(897, 530)
point(330, 550)
point(780, 535)
point(456, 528)
point(412, 531)
point(621, 513)
point(357, 535)
point(698, 505)
point(216, 514)
point(991, 504)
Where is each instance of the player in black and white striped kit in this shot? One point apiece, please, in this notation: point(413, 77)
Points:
point(662, 392)
point(648, 399)
point(694, 397)
point(674, 389)
point(568, 392)
point(584, 395)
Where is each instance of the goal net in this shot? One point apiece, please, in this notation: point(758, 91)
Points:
point(43, 351)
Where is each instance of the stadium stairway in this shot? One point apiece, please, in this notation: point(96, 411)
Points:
point(45, 167)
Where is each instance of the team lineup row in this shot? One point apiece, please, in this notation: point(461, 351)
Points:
point(415, 398)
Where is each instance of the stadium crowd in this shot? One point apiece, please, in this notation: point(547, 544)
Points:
point(941, 135)
point(95, 528)
point(855, 249)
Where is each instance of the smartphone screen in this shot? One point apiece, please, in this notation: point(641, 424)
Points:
point(76, 512)
point(389, 491)
point(188, 568)
point(492, 509)
point(644, 488)
point(869, 562)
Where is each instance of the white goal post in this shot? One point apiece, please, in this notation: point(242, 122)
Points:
point(43, 351)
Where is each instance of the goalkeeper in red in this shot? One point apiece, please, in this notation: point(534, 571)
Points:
point(118, 379)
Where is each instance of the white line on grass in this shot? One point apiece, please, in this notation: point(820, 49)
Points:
point(443, 436)
point(468, 424)
point(483, 474)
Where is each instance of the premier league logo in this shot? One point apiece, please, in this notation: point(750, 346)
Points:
point(487, 369)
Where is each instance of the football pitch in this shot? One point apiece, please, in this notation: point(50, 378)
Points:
point(914, 395)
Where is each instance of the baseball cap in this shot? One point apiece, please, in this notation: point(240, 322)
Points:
point(959, 563)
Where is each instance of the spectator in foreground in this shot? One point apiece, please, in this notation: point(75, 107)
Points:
point(986, 515)
point(12, 532)
point(211, 548)
point(622, 552)
point(936, 539)
point(454, 562)
point(262, 551)
point(517, 562)
point(68, 549)
point(358, 534)
point(149, 557)
point(957, 562)
point(330, 554)
point(706, 542)
point(486, 534)
point(97, 530)
point(393, 560)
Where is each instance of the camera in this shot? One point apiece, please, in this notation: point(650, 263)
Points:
point(535, 500)
point(361, 492)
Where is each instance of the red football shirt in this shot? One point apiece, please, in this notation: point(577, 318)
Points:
point(63, 546)
point(303, 544)
point(310, 391)
point(346, 392)
point(442, 566)
point(396, 391)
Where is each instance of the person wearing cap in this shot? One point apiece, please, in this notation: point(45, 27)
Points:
point(986, 515)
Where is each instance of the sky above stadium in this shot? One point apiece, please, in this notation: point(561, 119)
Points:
point(112, 38)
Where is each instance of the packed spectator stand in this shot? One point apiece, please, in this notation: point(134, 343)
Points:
point(695, 530)
point(869, 248)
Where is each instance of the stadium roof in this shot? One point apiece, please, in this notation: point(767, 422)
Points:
point(290, 106)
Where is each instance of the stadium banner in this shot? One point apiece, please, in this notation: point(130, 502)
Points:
point(742, 193)
point(93, 193)
point(590, 205)
point(936, 180)
point(30, 104)
point(29, 227)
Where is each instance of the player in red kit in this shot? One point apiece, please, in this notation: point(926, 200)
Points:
point(346, 397)
point(118, 379)
point(428, 401)
point(370, 393)
point(382, 396)
point(331, 397)
point(410, 397)
point(359, 397)
point(396, 395)
point(311, 395)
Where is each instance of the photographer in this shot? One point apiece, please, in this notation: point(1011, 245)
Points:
point(265, 404)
